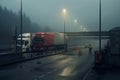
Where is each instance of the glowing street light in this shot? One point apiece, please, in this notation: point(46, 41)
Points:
point(64, 11)
point(84, 29)
point(75, 22)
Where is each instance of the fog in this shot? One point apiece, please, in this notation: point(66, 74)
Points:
point(49, 13)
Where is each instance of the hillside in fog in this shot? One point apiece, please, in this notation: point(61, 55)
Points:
point(9, 20)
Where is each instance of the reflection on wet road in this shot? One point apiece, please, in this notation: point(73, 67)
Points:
point(67, 66)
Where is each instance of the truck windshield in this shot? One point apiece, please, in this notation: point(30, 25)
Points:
point(38, 40)
point(19, 42)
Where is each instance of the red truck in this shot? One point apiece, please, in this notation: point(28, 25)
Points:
point(44, 41)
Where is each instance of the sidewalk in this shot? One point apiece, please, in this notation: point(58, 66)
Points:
point(107, 75)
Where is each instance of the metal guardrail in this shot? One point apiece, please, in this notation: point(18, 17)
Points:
point(7, 49)
point(6, 59)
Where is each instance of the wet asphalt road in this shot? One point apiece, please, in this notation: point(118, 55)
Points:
point(65, 66)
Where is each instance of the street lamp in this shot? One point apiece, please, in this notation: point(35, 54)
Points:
point(84, 29)
point(100, 26)
point(64, 11)
point(64, 14)
point(75, 22)
point(81, 28)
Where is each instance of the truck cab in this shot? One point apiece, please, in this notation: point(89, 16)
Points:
point(26, 42)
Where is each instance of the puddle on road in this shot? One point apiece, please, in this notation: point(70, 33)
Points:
point(39, 69)
point(38, 62)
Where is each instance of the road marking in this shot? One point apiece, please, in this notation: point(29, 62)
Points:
point(55, 70)
point(35, 79)
point(86, 75)
point(49, 72)
point(41, 76)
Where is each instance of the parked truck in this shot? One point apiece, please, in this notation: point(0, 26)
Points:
point(110, 54)
point(26, 42)
point(41, 41)
point(44, 41)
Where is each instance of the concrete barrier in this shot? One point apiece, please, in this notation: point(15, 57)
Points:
point(6, 59)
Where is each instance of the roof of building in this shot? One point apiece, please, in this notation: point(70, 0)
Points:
point(116, 28)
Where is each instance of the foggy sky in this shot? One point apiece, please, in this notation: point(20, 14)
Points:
point(49, 13)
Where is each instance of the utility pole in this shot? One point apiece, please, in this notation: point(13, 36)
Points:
point(64, 36)
point(21, 26)
point(16, 39)
point(100, 26)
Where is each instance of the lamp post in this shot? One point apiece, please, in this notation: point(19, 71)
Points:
point(84, 29)
point(75, 22)
point(81, 28)
point(64, 14)
point(100, 26)
point(21, 24)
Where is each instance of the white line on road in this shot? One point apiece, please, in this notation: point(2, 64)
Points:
point(49, 72)
point(41, 76)
point(54, 70)
point(86, 75)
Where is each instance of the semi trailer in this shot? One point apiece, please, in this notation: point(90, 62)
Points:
point(41, 41)
point(44, 41)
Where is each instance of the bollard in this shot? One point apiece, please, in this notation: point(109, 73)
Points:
point(79, 51)
point(97, 57)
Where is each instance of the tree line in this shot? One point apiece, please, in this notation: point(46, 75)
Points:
point(10, 20)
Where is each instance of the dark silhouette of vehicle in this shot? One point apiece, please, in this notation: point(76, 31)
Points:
point(110, 54)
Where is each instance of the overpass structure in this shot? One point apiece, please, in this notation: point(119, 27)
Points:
point(91, 34)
